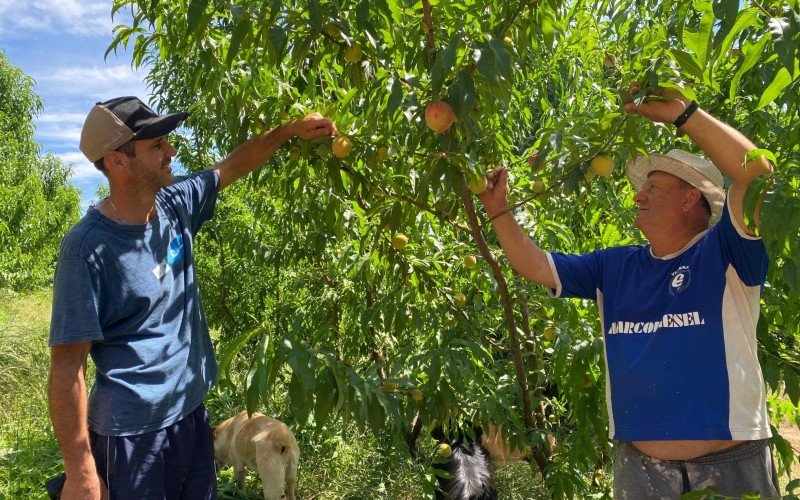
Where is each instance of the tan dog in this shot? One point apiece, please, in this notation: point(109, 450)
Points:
point(499, 450)
point(262, 444)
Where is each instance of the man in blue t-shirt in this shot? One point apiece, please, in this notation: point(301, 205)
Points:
point(126, 293)
point(684, 390)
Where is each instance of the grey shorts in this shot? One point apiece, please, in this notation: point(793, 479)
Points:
point(744, 468)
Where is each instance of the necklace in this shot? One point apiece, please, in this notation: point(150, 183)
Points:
point(120, 219)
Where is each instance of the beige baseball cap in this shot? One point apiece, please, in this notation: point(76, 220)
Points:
point(112, 123)
point(696, 170)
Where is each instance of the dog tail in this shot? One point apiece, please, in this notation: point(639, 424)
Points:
point(471, 469)
point(277, 463)
point(470, 477)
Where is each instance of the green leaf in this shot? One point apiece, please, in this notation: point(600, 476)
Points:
point(444, 64)
point(375, 414)
point(278, 37)
point(781, 80)
point(327, 394)
point(687, 63)
point(465, 96)
point(752, 56)
point(548, 30)
point(792, 385)
point(255, 377)
point(315, 16)
point(699, 41)
point(240, 31)
point(725, 11)
point(783, 35)
point(274, 10)
point(784, 449)
point(194, 14)
point(300, 361)
point(771, 371)
point(790, 275)
point(395, 97)
point(232, 347)
point(486, 63)
point(757, 153)
point(754, 193)
point(746, 19)
point(362, 15)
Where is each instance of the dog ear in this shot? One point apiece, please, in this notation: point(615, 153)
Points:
point(478, 430)
point(437, 433)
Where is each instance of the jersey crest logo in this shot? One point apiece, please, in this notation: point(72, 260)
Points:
point(680, 280)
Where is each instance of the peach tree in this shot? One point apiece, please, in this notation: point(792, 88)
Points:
point(360, 278)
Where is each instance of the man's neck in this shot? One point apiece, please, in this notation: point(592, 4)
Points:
point(131, 208)
point(668, 243)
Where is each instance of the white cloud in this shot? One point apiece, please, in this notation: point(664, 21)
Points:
point(97, 82)
point(60, 128)
point(47, 117)
point(21, 18)
point(84, 170)
point(57, 133)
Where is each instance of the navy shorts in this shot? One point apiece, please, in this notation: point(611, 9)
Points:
point(176, 462)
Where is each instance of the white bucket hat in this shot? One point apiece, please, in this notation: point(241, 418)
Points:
point(694, 169)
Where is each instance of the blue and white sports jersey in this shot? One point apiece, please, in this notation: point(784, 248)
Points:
point(680, 334)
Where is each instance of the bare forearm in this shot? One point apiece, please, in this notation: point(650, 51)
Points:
point(726, 147)
point(251, 154)
point(525, 256)
point(67, 401)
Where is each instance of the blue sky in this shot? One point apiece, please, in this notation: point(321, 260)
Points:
point(60, 44)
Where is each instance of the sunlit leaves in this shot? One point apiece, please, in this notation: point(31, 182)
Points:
point(310, 254)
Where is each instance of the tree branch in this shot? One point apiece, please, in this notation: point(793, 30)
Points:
point(427, 24)
point(508, 312)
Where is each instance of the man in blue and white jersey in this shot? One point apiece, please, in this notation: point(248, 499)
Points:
point(126, 292)
point(685, 393)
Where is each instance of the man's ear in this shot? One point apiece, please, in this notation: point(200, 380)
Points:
point(114, 160)
point(691, 198)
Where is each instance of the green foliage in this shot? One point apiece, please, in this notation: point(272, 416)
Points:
point(298, 269)
point(340, 461)
point(28, 450)
point(37, 201)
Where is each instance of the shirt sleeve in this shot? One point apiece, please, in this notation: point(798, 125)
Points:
point(576, 275)
point(747, 254)
point(199, 192)
point(75, 318)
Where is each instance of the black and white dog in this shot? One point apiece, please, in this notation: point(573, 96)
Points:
point(468, 467)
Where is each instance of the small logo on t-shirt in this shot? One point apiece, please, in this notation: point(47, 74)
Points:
point(174, 252)
point(680, 280)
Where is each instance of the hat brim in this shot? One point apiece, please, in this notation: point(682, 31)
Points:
point(639, 168)
point(160, 126)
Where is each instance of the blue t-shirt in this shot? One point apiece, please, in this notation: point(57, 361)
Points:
point(131, 290)
point(680, 334)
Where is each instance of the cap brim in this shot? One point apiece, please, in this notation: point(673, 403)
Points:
point(161, 126)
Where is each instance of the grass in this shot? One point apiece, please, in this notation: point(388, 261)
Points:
point(342, 462)
point(28, 451)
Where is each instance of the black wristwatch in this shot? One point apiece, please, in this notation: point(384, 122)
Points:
point(680, 120)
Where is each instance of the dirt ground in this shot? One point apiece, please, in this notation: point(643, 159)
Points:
point(792, 434)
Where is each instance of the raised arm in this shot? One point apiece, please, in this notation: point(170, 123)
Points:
point(525, 256)
point(725, 146)
point(66, 396)
point(256, 151)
